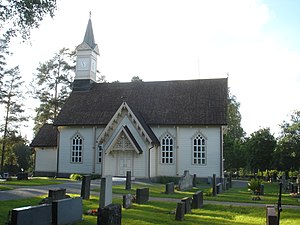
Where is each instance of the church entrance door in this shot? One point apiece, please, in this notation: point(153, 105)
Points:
point(125, 162)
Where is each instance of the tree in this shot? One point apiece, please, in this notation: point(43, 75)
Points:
point(52, 85)
point(287, 154)
point(20, 16)
point(11, 99)
point(233, 152)
point(136, 79)
point(260, 148)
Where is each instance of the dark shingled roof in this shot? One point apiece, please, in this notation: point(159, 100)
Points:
point(46, 137)
point(186, 102)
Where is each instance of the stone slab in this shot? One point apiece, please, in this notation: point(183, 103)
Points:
point(67, 211)
point(85, 187)
point(32, 215)
point(105, 191)
point(110, 215)
point(142, 195)
point(180, 209)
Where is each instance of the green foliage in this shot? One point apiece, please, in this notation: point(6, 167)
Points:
point(233, 152)
point(136, 79)
point(75, 176)
point(287, 153)
point(260, 148)
point(51, 85)
point(254, 185)
point(20, 16)
point(11, 100)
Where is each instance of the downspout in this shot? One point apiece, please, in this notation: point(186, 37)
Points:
point(177, 152)
point(57, 156)
point(221, 153)
point(95, 152)
point(149, 161)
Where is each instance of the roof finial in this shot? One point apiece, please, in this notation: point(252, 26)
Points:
point(90, 14)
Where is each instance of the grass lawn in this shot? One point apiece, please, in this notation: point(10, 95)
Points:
point(35, 181)
point(162, 213)
point(232, 195)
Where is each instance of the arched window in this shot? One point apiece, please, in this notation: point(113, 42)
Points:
point(199, 150)
point(167, 150)
point(77, 148)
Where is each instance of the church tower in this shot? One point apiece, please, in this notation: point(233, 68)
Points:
point(86, 61)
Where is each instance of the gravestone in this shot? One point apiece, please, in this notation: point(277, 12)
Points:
point(142, 195)
point(185, 182)
point(22, 176)
point(127, 201)
point(187, 204)
point(180, 209)
point(209, 180)
point(262, 189)
point(170, 188)
point(230, 180)
point(271, 217)
point(110, 215)
point(195, 180)
point(57, 194)
point(214, 185)
point(67, 211)
point(298, 183)
point(85, 187)
point(128, 180)
point(284, 182)
point(105, 191)
point(219, 188)
point(197, 201)
point(32, 215)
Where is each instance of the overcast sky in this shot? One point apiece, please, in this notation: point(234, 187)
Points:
point(255, 43)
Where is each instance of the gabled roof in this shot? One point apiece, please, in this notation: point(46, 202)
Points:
point(46, 137)
point(185, 102)
point(130, 137)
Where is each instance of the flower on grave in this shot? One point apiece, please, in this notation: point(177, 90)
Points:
point(92, 212)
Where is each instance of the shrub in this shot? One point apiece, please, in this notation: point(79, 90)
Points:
point(166, 179)
point(75, 176)
point(209, 192)
point(254, 185)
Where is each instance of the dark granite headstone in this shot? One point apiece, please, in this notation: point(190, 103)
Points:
point(214, 185)
point(110, 215)
point(262, 189)
point(33, 215)
point(22, 176)
point(271, 217)
point(197, 201)
point(127, 201)
point(230, 180)
point(85, 187)
point(170, 188)
point(142, 195)
point(188, 204)
point(67, 211)
point(128, 180)
point(195, 180)
point(57, 194)
point(180, 209)
point(219, 188)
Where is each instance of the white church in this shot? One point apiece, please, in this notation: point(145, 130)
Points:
point(152, 129)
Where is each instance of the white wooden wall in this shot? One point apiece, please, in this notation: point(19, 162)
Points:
point(45, 159)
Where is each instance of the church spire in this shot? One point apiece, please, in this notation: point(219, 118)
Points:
point(89, 35)
point(86, 61)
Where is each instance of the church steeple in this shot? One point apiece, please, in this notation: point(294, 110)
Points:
point(86, 61)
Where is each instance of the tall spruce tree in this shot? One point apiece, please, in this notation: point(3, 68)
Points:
point(233, 138)
point(51, 85)
point(11, 100)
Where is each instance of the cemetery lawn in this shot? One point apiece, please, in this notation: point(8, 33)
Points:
point(232, 195)
point(35, 181)
point(155, 212)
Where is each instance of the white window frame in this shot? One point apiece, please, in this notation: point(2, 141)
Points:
point(199, 150)
point(77, 149)
point(167, 152)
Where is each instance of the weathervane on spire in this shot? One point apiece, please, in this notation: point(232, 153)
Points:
point(90, 14)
